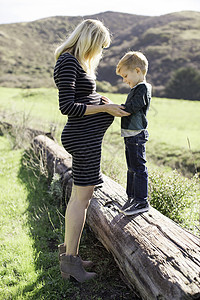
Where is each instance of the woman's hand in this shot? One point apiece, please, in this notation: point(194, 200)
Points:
point(116, 110)
point(106, 100)
point(112, 109)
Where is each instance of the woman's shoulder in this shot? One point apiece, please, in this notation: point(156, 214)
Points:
point(66, 63)
point(67, 58)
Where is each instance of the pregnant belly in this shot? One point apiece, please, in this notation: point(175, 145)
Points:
point(82, 132)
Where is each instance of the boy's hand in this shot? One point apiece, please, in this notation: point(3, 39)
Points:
point(106, 100)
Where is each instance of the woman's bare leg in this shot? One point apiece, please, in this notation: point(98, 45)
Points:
point(75, 217)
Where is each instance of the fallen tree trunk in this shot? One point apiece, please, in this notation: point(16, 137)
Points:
point(29, 133)
point(158, 258)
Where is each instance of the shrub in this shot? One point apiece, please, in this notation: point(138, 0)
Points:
point(105, 86)
point(184, 84)
point(56, 189)
point(172, 194)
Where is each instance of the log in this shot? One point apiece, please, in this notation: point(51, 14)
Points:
point(158, 258)
point(29, 133)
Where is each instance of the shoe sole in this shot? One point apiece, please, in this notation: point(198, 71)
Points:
point(136, 212)
point(68, 276)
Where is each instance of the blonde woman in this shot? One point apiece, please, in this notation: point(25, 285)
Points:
point(89, 116)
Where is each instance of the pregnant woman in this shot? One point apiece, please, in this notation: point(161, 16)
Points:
point(89, 116)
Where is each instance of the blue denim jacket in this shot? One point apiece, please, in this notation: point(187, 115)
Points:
point(137, 103)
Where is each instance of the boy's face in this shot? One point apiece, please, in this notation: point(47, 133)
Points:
point(131, 77)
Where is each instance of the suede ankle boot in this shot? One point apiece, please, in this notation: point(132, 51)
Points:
point(72, 266)
point(85, 263)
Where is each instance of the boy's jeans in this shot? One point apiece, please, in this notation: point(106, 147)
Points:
point(137, 174)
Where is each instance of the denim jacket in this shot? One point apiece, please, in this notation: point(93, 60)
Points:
point(137, 103)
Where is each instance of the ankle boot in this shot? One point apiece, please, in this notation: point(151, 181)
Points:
point(72, 266)
point(85, 263)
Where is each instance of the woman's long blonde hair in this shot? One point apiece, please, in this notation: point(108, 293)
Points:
point(86, 43)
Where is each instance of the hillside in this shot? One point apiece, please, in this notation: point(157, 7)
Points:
point(170, 41)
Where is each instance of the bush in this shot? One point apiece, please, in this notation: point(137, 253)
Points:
point(122, 88)
point(105, 87)
point(172, 194)
point(184, 84)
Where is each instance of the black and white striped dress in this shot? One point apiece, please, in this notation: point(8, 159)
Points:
point(82, 135)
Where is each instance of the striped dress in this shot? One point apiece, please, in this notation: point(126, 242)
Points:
point(82, 135)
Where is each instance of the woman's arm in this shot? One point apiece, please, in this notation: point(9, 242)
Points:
point(112, 109)
point(65, 75)
point(66, 82)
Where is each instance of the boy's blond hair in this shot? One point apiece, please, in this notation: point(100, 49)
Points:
point(132, 60)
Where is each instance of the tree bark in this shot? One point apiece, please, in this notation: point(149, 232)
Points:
point(158, 258)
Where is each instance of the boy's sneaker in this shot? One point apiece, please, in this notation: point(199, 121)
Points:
point(137, 208)
point(128, 203)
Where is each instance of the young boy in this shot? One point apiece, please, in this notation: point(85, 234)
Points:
point(133, 68)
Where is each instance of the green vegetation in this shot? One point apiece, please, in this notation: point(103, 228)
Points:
point(37, 107)
point(32, 221)
point(17, 255)
point(169, 41)
point(173, 126)
point(171, 122)
point(184, 84)
point(175, 196)
point(32, 225)
point(172, 144)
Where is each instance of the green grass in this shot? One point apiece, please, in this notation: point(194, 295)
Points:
point(170, 121)
point(31, 228)
point(173, 126)
point(17, 254)
point(173, 143)
point(31, 218)
point(39, 106)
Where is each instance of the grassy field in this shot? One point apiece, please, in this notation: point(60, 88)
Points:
point(171, 122)
point(30, 230)
point(173, 127)
point(31, 227)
